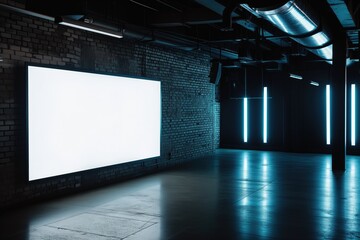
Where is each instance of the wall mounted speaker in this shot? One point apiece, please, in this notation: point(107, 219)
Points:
point(215, 72)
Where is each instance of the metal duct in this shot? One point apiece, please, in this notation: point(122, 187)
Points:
point(297, 19)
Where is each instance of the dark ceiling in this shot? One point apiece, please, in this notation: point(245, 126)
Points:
point(228, 29)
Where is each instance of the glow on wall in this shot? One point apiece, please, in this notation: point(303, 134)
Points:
point(245, 120)
point(79, 121)
point(353, 122)
point(265, 115)
point(328, 114)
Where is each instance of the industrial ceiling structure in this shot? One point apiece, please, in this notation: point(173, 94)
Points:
point(235, 31)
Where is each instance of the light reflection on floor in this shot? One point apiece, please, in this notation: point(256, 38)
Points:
point(232, 195)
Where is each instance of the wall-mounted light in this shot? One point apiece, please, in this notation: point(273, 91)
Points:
point(265, 106)
point(353, 104)
point(295, 76)
point(328, 114)
point(245, 110)
point(314, 83)
point(88, 27)
point(245, 120)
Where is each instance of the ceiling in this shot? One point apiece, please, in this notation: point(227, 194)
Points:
point(230, 30)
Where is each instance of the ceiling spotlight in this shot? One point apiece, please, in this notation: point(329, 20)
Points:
point(295, 76)
point(87, 26)
point(314, 83)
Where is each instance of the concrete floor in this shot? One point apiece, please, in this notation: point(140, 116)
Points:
point(233, 195)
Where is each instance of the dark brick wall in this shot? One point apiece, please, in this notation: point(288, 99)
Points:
point(190, 115)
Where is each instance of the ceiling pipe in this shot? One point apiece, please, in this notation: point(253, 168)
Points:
point(297, 19)
point(228, 12)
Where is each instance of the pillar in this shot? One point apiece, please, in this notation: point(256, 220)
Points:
point(338, 102)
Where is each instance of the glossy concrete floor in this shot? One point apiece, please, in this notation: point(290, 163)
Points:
point(232, 195)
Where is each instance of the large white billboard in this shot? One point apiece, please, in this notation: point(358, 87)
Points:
point(79, 121)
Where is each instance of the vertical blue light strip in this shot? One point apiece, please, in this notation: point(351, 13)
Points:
point(353, 100)
point(245, 119)
point(265, 116)
point(328, 114)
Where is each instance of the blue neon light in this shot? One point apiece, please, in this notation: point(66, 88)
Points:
point(353, 104)
point(265, 116)
point(328, 114)
point(245, 119)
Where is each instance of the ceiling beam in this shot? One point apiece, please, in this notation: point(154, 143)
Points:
point(346, 19)
point(342, 12)
point(194, 16)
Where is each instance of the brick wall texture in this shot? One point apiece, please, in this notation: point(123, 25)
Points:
point(190, 115)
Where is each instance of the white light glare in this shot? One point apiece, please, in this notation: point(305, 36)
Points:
point(245, 119)
point(321, 38)
point(265, 116)
point(353, 97)
point(314, 83)
point(295, 76)
point(328, 114)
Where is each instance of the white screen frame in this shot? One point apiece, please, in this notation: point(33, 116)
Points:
point(67, 138)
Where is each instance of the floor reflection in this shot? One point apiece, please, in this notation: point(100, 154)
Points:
point(256, 195)
point(352, 189)
point(235, 194)
point(264, 211)
point(353, 198)
point(326, 204)
point(339, 201)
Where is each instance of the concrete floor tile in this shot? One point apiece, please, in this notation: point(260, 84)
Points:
point(101, 225)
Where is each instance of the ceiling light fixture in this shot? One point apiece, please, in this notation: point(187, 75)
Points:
point(295, 76)
point(88, 27)
point(314, 83)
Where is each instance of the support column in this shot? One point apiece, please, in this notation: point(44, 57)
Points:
point(338, 102)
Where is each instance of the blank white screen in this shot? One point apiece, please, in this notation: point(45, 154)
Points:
point(79, 121)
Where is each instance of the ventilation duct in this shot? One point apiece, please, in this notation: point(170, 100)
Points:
point(298, 20)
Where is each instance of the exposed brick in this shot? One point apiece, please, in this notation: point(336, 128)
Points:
point(190, 115)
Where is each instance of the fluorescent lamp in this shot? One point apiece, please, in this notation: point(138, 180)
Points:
point(88, 27)
point(328, 114)
point(265, 116)
point(245, 120)
point(295, 76)
point(314, 83)
point(353, 97)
